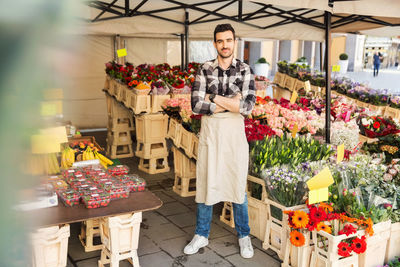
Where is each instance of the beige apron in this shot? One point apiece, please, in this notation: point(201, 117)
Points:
point(223, 159)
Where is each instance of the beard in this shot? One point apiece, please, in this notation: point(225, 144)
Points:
point(224, 56)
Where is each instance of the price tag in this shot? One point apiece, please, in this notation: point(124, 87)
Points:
point(121, 52)
point(335, 68)
point(293, 98)
point(307, 86)
point(295, 129)
point(318, 186)
point(340, 153)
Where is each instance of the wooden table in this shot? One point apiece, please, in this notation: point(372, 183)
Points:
point(137, 202)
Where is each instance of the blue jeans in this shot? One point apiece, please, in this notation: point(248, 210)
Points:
point(376, 69)
point(240, 214)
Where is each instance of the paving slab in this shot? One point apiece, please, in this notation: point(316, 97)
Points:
point(147, 246)
point(175, 246)
point(163, 232)
point(173, 208)
point(225, 246)
point(164, 197)
point(215, 232)
point(260, 259)
point(159, 259)
point(184, 219)
point(206, 258)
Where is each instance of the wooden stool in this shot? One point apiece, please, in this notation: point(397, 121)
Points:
point(116, 138)
point(120, 238)
point(90, 229)
point(151, 150)
point(227, 215)
point(120, 123)
point(154, 165)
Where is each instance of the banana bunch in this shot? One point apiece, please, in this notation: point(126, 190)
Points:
point(104, 161)
point(88, 154)
point(67, 157)
point(51, 163)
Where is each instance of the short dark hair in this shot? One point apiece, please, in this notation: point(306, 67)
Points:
point(223, 28)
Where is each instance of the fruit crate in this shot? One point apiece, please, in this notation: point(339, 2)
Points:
point(83, 139)
point(70, 198)
point(151, 128)
point(96, 200)
point(157, 101)
point(50, 246)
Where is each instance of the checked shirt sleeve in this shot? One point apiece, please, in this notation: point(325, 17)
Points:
point(248, 93)
point(199, 105)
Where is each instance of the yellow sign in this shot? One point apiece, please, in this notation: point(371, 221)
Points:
point(307, 86)
point(336, 68)
point(295, 129)
point(318, 186)
point(59, 133)
point(293, 98)
point(51, 108)
point(121, 52)
point(44, 143)
point(340, 153)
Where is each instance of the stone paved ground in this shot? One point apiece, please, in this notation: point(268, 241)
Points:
point(165, 232)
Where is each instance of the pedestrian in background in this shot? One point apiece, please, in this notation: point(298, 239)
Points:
point(377, 62)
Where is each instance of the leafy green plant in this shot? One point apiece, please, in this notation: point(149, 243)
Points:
point(302, 59)
point(262, 60)
point(292, 70)
point(276, 151)
point(283, 66)
point(343, 56)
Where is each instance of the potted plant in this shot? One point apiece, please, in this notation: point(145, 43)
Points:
point(343, 62)
point(302, 61)
point(261, 68)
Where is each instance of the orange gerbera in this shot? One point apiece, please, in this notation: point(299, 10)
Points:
point(323, 227)
point(326, 207)
point(300, 219)
point(369, 230)
point(297, 239)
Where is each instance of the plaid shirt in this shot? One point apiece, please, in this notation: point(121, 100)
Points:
point(212, 79)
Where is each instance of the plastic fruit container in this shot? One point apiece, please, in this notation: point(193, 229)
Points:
point(118, 170)
point(135, 184)
point(96, 200)
point(93, 170)
point(69, 197)
point(117, 190)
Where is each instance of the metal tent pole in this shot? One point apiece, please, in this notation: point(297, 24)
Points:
point(327, 63)
point(182, 51)
point(186, 39)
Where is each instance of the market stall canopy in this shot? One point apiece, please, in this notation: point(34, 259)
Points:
point(269, 19)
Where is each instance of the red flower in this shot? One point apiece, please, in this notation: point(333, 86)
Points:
point(359, 245)
point(311, 226)
point(344, 249)
point(348, 229)
point(317, 214)
point(376, 125)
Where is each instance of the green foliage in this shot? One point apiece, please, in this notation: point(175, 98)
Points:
point(262, 60)
point(343, 56)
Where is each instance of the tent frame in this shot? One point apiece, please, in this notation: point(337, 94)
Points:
point(295, 15)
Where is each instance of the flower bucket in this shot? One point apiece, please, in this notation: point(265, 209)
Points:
point(260, 85)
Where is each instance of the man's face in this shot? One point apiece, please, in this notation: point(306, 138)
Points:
point(224, 44)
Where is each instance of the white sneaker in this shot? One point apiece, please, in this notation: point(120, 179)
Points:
point(197, 243)
point(246, 249)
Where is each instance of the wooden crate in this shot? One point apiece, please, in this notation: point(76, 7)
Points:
point(227, 215)
point(117, 138)
point(107, 83)
point(298, 256)
point(119, 110)
point(184, 187)
point(50, 246)
point(174, 131)
point(184, 166)
point(376, 246)
point(120, 91)
point(380, 110)
point(151, 128)
point(186, 141)
point(151, 150)
point(299, 85)
point(195, 147)
point(119, 151)
point(326, 248)
point(120, 123)
point(89, 230)
point(289, 83)
point(393, 244)
point(72, 140)
point(276, 229)
point(124, 95)
point(261, 93)
point(120, 236)
point(258, 209)
point(279, 92)
point(157, 101)
point(140, 103)
point(112, 86)
point(279, 79)
point(392, 112)
point(128, 98)
point(154, 165)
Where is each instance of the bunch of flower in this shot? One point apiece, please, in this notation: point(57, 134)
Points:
point(374, 126)
point(261, 78)
point(256, 131)
point(395, 101)
point(159, 87)
point(388, 145)
point(346, 133)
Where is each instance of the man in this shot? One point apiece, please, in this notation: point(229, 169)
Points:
point(377, 62)
point(223, 91)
